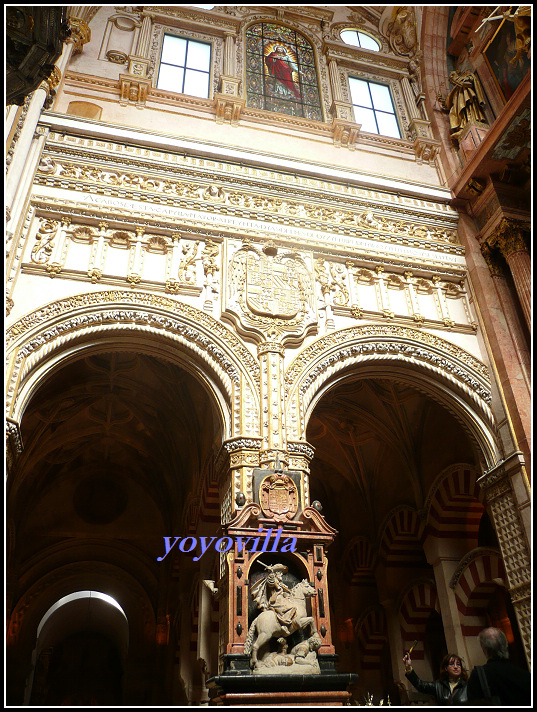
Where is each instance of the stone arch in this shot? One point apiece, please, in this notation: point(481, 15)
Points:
point(417, 602)
point(454, 504)
point(125, 587)
point(401, 538)
point(473, 583)
point(114, 320)
point(372, 635)
point(358, 562)
point(444, 372)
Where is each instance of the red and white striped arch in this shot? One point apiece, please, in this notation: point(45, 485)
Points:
point(358, 562)
point(475, 587)
point(416, 607)
point(402, 539)
point(455, 508)
point(372, 636)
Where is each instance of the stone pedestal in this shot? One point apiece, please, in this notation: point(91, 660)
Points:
point(470, 138)
point(281, 690)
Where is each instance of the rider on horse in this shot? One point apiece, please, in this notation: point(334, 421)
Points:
point(271, 593)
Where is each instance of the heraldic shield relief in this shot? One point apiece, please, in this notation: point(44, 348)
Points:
point(270, 291)
point(278, 497)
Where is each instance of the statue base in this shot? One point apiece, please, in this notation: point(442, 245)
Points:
point(281, 690)
point(239, 664)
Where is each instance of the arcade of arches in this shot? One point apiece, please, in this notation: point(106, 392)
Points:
point(186, 313)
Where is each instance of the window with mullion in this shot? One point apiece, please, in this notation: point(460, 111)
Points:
point(185, 66)
point(373, 107)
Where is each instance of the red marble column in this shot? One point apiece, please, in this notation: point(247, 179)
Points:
point(509, 236)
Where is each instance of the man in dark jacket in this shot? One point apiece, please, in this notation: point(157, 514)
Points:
point(506, 681)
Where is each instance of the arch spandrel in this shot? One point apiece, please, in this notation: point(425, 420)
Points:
point(445, 372)
point(121, 320)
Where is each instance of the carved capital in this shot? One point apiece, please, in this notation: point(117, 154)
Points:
point(491, 258)
point(509, 236)
point(80, 34)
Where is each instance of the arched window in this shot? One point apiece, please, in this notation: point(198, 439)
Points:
point(280, 72)
point(359, 39)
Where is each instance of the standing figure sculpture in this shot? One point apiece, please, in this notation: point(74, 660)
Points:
point(465, 101)
point(281, 66)
point(283, 610)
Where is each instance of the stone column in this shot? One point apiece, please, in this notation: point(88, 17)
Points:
point(382, 294)
point(334, 80)
point(271, 355)
point(134, 274)
point(444, 558)
point(229, 54)
point(442, 303)
point(507, 495)
point(95, 270)
point(413, 304)
point(22, 148)
point(509, 236)
point(512, 319)
point(144, 38)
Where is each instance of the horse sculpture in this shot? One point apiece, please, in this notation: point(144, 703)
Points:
point(267, 625)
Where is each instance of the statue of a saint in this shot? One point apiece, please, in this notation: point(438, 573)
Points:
point(465, 101)
point(271, 594)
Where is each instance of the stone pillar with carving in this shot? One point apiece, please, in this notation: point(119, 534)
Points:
point(506, 492)
point(345, 130)
point(509, 237)
point(134, 86)
point(98, 253)
point(228, 103)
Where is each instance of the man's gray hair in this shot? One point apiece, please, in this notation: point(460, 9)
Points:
point(494, 643)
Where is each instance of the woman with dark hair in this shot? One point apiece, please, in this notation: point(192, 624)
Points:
point(450, 688)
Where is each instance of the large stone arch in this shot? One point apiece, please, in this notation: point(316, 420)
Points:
point(443, 371)
point(120, 320)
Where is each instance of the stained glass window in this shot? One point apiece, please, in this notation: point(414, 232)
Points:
point(373, 107)
point(185, 66)
point(280, 72)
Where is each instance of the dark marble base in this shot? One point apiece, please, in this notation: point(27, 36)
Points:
point(248, 689)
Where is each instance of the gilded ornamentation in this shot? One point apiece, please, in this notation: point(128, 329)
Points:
point(402, 31)
point(348, 221)
point(311, 353)
point(80, 34)
point(95, 274)
point(465, 102)
point(44, 241)
point(270, 292)
point(509, 236)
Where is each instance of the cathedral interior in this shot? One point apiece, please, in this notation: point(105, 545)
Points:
point(266, 266)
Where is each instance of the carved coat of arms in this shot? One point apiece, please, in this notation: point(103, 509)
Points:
point(270, 291)
point(278, 497)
